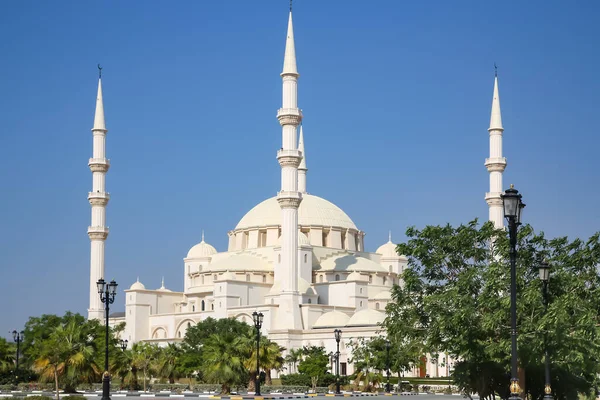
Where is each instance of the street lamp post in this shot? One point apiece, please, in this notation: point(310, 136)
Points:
point(545, 277)
point(513, 209)
point(338, 337)
point(107, 294)
point(258, 320)
point(387, 364)
point(18, 338)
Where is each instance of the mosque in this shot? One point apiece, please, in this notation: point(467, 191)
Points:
point(296, 257)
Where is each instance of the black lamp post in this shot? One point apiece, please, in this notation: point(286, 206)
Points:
point(545, 277)
point(123, 344)
point(107, 297)
point(513, 209)
point(18, 338)
point(338, 337)
point(387, 364)
point(258, 320)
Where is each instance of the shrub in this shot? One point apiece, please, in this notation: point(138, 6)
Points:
point(296, 380)
point(285, 388)
point(38, 398)
point(206, 387)
point(71, 397)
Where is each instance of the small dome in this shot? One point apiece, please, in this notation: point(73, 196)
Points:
point(366, 318)
point(201, 250)
point(384, 295)
point(388, 250)
point(137, 285)
point(162, 287)
point(302, 240)
point(332, 319)
point(355, 276)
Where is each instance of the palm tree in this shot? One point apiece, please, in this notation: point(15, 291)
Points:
point(294, 356)
point(271, 358)
point(143, 357)
point(165, 365)
point(67, 355)
point(224, 361)
point(7, 355)
point(121, 364)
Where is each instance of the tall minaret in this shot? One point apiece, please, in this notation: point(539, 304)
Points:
point(496, 163)
point(289, 198)
point(98, 198)
point(302, 167)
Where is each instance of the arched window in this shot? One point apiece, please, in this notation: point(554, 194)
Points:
point(193, 308)
point(189, 325)
point(370, 278)
point(306, 258)
point(202, 305)
point(361, 304)
point(360, 290)
point(212, 306)
point(337, 277)
point(264, 279)
point(384, 280)
point(377, 306)
point(179, 334)
point(247, 277)
point(309, 301)
point(321, 278)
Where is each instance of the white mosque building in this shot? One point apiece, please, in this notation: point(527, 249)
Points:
point(296, 257)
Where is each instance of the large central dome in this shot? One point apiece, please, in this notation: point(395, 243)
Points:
point(313, 211)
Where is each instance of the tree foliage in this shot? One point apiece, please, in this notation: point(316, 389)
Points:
point(456, 299)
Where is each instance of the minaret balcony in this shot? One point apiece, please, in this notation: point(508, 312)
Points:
point(98, 198)
point(495, 164)
point(97, 232)
point(289, 158)
point(289, 116)
point(493, 198)
point(99, 164)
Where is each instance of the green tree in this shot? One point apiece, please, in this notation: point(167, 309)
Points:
point(292, 359)
point(165, 364)
point(7, 355)
point(315, 363)
point(223, 361)
point(455, 299)
point(67, 356)
point(143, 356)
point(193, 344)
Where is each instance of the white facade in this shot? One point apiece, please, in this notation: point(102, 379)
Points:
point(296, 257)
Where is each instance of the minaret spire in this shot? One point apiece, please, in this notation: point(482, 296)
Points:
point(289, 198)
point(289, 59)
point(98, 198)
point(496, 163)
point(302, 167)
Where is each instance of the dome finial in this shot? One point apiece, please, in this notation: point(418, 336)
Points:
point(203, 235)
point(138, 278)
point(99, 72)
point(390, 236)
point(495, 70)
point(290, 5)
point(162, 283)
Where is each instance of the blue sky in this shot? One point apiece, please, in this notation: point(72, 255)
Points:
point(396, 97)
